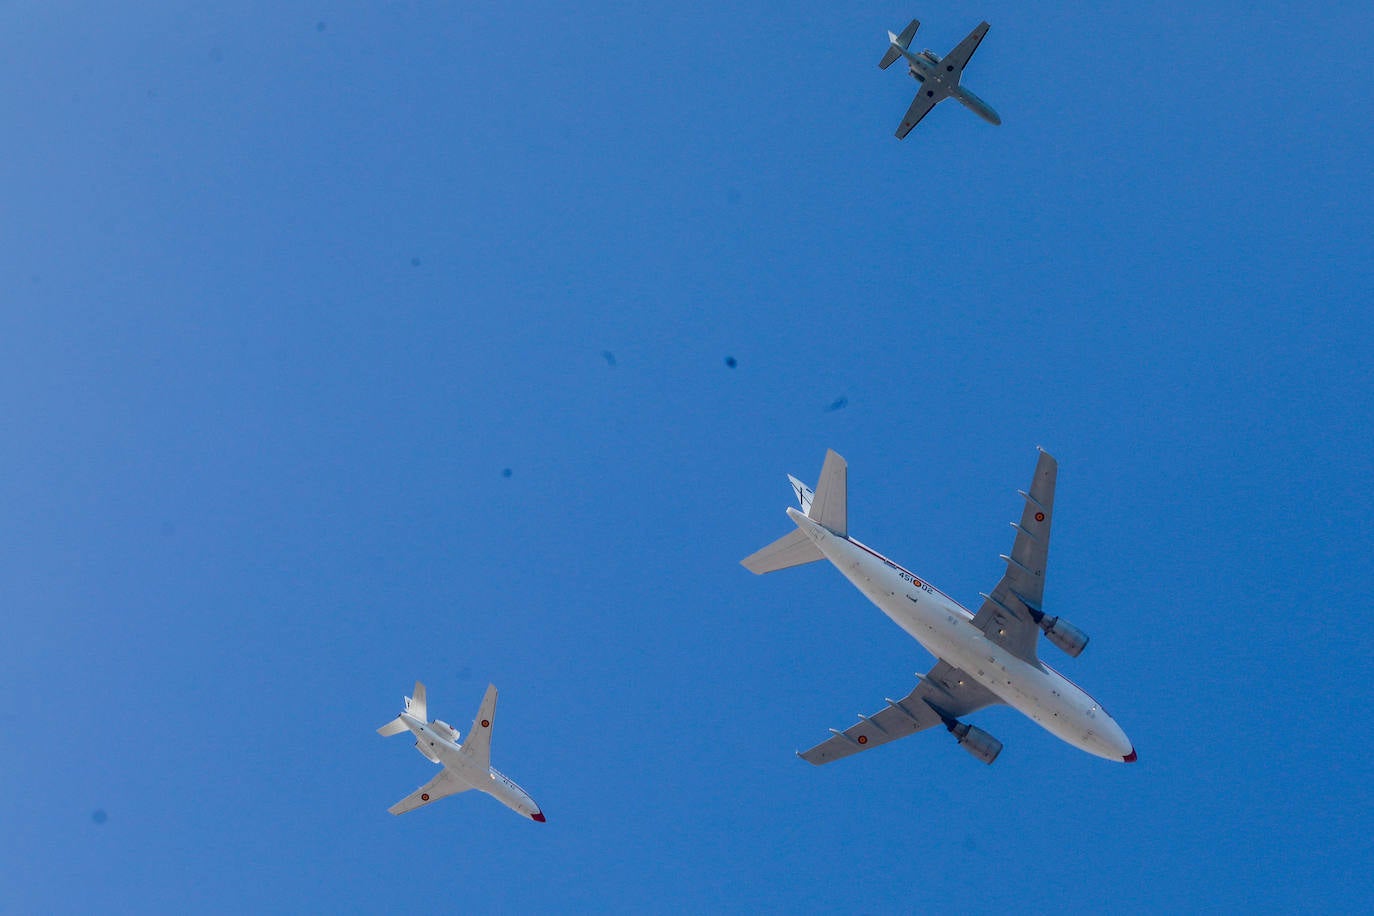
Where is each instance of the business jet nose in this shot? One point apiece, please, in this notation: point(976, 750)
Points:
point(538, 816)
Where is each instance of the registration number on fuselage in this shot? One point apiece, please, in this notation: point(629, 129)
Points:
point(908, 577)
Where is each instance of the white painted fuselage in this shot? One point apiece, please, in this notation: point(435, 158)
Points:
point(946, 630)
point(439, 748)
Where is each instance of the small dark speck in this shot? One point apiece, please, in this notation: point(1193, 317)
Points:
point(216, 54)
point(414, 262)
point(319, 26)
point(168, 529)
point(838, 404)
point(734, 196)
point(505, 472)
point(731, 362)
point(152, 93)
point(609, 357)
point(99, 816)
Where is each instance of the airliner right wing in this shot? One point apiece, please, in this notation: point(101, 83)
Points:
point(441, 786)
point(918, 110)
point(945, 688)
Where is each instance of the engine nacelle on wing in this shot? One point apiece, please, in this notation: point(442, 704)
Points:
point(1064, 635)
point(977, 742)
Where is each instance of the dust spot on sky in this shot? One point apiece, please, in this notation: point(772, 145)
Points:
point(609, 357)
point(414, 262)
point(505, 472)
point(733, 195)
point(731, 362)
point(837, 404)
point(319, 26)
point(99, 816)
point(217, 54)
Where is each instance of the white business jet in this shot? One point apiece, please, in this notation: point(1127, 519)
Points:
point(982, 659)
point(465, 766)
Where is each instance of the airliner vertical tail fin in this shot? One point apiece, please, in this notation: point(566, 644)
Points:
point(829, 507)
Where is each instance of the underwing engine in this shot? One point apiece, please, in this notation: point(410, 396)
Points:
point(1064, 634)
point(976, 741)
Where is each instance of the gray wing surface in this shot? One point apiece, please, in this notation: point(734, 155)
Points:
point(1006, 615)
point(918, 110)
point(958, 58)
point(946, 687)
point(441, 786)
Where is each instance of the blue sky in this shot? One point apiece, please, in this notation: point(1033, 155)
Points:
point(288, 287)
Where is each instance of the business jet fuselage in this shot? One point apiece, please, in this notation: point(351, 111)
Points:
point(936, 77)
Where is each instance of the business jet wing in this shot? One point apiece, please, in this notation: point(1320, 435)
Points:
point(925, 100)
point(1008, 614)
point(946, 687)
point(441, 786)
point(957, 59)
point(478, 743)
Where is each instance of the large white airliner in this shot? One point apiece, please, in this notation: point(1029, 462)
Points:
point(465, 766)
point(982, 659)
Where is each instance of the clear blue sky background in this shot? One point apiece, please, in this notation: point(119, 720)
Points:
point(288, 286)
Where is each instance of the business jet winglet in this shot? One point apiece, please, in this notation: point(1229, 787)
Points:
point(465, 766)
point(939, 76)
point(982, 659)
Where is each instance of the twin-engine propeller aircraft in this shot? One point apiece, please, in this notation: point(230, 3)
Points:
point(982, 659)
point(466, 765)
point(939, 77)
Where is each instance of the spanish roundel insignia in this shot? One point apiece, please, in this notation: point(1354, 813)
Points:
point(863, 739)
point(1039, 516)
point(486, 723)
point(424, 797)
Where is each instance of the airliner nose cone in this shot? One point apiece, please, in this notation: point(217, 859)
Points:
point(1130, 758)
point(539, 815)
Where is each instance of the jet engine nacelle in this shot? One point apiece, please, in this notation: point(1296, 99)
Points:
point(445, 730)
point(977, 742)
point(1064, 635)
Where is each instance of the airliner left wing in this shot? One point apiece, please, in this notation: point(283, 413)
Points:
point(1008, 614)
point(441, 786)
point(945, 692)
